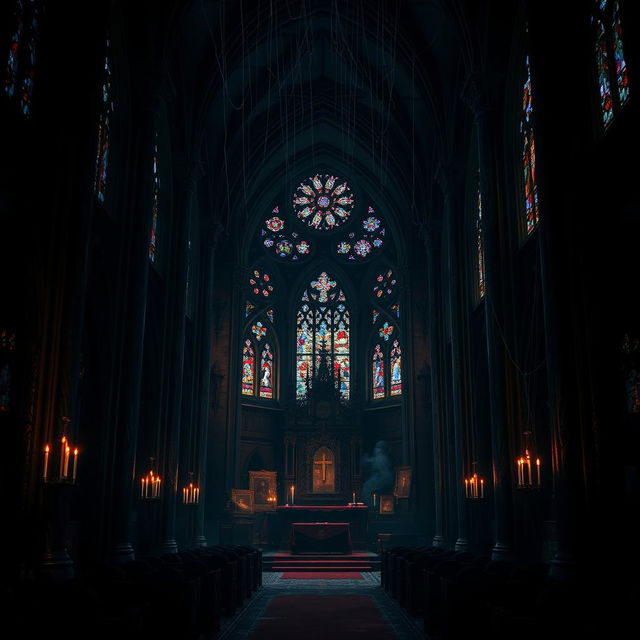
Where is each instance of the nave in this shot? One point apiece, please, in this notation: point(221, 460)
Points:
point(316, 605)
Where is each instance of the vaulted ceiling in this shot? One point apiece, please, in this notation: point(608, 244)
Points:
point(272, 91)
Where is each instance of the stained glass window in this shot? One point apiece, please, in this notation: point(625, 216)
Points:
point(622, 79)
point(248, 369)
point(377, 377)
point(104, 131)
point(479, 248)
point(248, 308)
point(21, 58)
point(15, 44)
point(260, 285)
point(396, 370)
point(602, 57)
point(386, 372)
point(266, 372)
point(532, 210)
point(285, 244)
point(322, 326)
point(385, 331)
point(611, 66)
point(384, 285)
point(270, 315)
point(324, 202)
point(259, 331)
point(155, 203)
point(365, 242)
point(395, 309)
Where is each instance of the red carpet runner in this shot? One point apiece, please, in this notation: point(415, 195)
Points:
point(316, 617)
point(321, 575)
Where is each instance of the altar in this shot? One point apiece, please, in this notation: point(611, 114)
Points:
point(355, 516)
point(320, 537)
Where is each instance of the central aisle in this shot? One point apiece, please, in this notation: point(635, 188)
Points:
point(320, 606)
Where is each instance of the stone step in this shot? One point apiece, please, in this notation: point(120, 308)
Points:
point(319, 568)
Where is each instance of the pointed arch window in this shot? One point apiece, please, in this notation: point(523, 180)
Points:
point(258, 363)
point(104, 129)
point(386, 369)
point(385, 353)
point(611, 66)
point(323, 327)
point(23, 48)
point(248, 368)
point(155, 203)
point(532, 206)
point(259, 340)
point(479, 246)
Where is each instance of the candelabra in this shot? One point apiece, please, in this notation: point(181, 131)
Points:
point(150, 485)
point(528, 467)
point(67, 450)
point(474, 486)
point(191, 493)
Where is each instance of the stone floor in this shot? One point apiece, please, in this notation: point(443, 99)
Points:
point(241, 625)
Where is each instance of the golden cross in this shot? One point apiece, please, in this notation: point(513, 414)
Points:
point(324, 462)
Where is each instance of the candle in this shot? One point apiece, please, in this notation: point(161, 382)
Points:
point(142, 488)
point(46, 463)
point(67, 449)
point(293, 493)
point(354, 497)
point(75, 463)
point(538, 469)
point(374, 499)
point(482, 487)
point(64, 441)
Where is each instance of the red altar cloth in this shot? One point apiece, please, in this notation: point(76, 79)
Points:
point(320, 537)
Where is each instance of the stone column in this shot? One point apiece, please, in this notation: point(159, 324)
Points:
point(133, 281)
point(489, 136)
point(175, 311)
point(204, 344)
point(560, 180)
point(431, 239)
point(452, 221)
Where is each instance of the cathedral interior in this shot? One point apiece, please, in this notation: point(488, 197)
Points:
point(285, 280)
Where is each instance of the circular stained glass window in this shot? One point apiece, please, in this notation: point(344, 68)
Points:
point(260, 284)
point(324, 202)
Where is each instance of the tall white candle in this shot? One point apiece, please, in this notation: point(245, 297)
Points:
point(62, 448)
point(45, 473)
point(75, 463)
